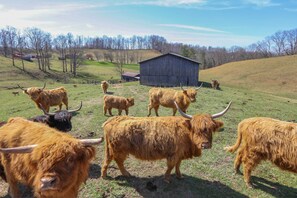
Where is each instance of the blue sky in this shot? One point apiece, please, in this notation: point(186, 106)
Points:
point(222, 23)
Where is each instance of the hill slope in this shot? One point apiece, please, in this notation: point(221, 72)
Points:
point(272, 75)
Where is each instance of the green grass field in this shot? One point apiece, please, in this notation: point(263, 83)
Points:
point(211, 175)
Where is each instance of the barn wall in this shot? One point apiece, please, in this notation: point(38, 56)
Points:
point(169, 70)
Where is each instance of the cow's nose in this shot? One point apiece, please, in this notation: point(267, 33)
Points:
point(47, 182)
point(205, 145)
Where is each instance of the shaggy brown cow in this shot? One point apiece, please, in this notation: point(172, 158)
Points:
point(215, 84)
point(47, 98)
point(265, 139)
point(155, 138)
point(117, 102)
point(166, 97)
point(53, 163)
point(104, 86)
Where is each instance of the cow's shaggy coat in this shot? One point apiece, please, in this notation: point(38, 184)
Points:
point(48, 98)
point(154, 138)
point(104, 86)
point(166, 97)
point(117, 102)
point(55, 168)
point(265, 139)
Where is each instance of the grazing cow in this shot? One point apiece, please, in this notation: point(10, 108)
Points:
point(104, 86)
point(155, 138)
point(166, 98)
point(60, 120)
point(54, 164)
point(265, 139)
point(47, 98)
point(117, 102)
point(215, 84)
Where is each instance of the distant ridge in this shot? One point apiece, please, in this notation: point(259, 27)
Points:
point(277, 75)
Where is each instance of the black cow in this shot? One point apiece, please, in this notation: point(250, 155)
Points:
point(60, 120)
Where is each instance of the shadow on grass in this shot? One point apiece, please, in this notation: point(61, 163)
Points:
point(187, 187)
point(94, 171)
point(273, 188)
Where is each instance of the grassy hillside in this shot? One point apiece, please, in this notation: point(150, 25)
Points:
point(208, 176)
point(211, 175)
point(272, 75)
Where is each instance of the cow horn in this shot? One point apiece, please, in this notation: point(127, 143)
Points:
point(20, 149)
point(199, 87)
point(21, 88)
point(74, 110)
point(43, 86)
point(89, 142)
point(182, 113)
point(44, 111)
point(182, 87)
point(223, 112)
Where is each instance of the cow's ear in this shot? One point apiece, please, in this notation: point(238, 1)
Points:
point(187, 123)
point(219, 124)
point(89, 153)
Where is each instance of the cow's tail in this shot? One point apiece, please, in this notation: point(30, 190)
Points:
point(233, 148)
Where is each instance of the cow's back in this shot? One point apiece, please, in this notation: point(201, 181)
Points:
point(54, 96)
point(147, 138)
point(164, 97)
point(115, 102)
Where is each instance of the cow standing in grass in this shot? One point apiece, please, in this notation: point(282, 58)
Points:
point(104, 86)
point(47, 98)
point(172, 138)
point(166, 98)
point(215, 84)
point(265, 139)
point(117, 102)
point(54, 164)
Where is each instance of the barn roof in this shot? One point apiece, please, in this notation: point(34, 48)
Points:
point(130, 74)
point(173, 54)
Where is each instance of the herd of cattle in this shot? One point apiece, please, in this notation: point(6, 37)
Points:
point(37, 153)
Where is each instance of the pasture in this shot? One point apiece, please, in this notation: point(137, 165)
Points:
point(211, 175)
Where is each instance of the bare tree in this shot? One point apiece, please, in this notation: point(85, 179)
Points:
point(21, 44)
point(12, 41)
point(4, 42)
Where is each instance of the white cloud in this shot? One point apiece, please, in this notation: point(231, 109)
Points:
point(261, 3)
point(197, 28)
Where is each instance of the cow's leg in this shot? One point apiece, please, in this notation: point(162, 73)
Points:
point(108, 156)
point(170, 165)
point(119, 159)
point(177, 170)
point(60, 106)
point(250, 161)
point(238, 161)
point(109, 111)
point(174, 111)
point(65, 101)
point(47, 108)
point(120, 111)
point(127, 111)
point(156, 109)
point(149, 110)
point(105, 109)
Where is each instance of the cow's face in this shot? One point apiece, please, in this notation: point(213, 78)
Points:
point(33, 92)
point(191, 94)
point(61, 121)
point(130, 102)
point(202, 127)
point(61, 168)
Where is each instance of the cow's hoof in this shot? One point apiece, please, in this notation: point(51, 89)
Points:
point(126, 174)
point(249, 185)
point(167, 180)
point(179, 177)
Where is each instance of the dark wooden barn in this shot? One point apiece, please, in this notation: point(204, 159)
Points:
point(169, 70)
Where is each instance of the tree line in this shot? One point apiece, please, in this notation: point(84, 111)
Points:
point(121, 50)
